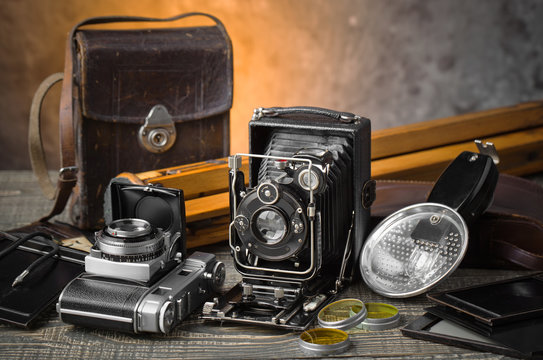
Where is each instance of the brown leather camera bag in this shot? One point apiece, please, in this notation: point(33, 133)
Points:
point(134, 100)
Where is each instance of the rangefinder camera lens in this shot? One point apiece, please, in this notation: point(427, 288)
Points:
point(129, 240)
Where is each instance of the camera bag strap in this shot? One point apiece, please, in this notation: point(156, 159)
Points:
point(510, 232)
point(69, 105)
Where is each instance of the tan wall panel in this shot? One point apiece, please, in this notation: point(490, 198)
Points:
point(396, 62)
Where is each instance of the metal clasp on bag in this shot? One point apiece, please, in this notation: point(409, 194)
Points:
point(158, 133)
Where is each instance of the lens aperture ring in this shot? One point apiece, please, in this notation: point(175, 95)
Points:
point(137, 258)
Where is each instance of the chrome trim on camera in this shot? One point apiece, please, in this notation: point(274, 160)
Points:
point(95, 315)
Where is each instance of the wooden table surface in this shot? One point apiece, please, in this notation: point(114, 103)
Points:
point(21, 202)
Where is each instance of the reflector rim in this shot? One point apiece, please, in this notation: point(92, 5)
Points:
point(385, 224)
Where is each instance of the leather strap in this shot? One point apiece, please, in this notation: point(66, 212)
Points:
point(69, 103)
point(35, 144)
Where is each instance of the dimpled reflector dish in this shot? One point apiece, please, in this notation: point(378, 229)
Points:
point(413, 249)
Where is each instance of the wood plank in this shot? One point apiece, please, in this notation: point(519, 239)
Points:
point(198, 179)
point(455, 129)
point(206, 207)
point(521, 153)
point(210, 232)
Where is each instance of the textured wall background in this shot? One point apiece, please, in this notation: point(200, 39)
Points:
point(395, 62)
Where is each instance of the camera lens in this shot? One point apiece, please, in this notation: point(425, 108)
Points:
point(130, 240)
point(264, 229)
point(129, 228)
point(270, 226)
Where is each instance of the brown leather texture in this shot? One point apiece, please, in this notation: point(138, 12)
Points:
point(509, 234)
point(119, 75)
point(122, 72)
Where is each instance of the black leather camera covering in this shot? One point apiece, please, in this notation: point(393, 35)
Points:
point(115, 299)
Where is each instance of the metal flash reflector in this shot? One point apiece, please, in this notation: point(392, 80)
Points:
point(418, 246)
point(413, 249)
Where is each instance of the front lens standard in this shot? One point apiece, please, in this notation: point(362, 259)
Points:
point(413, 249)
point(270, 226)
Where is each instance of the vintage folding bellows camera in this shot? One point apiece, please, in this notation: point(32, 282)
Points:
point(137, 276)
point(297, 228)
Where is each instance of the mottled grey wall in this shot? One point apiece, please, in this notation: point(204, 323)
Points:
point(396, 62)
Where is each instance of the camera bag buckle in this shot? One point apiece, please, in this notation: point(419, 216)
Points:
point(68, 169)
point(157, 134)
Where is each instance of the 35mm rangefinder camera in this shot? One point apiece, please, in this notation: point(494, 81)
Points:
point(137, 276)
point(297, 228)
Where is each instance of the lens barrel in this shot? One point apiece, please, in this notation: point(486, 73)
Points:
point(130, 240)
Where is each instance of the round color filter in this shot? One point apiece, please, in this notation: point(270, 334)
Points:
point(413, 249)
point(338, 315)
point(380, 317)
point(322, 341)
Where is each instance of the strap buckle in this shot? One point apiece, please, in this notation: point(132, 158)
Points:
point(68, 169)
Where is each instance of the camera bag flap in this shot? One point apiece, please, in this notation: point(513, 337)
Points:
point(139, 99)
point(122, 74)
